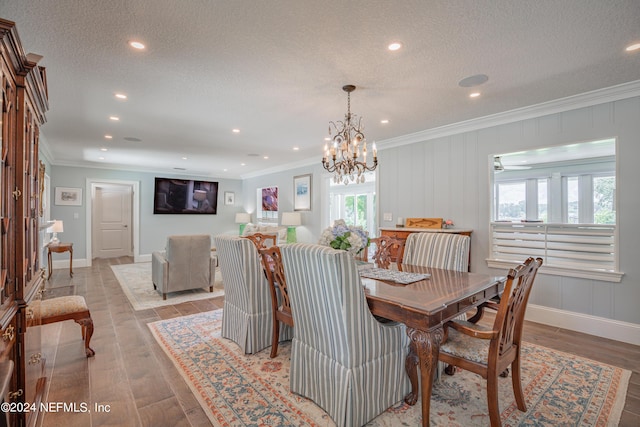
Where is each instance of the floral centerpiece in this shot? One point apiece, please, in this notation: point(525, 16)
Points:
point(447, 224)
point(352, 239)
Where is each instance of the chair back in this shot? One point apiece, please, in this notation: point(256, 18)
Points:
point(274, 269)
point(331, 312)
point(261, 240)
point(448, 251)
point(189, 258)
point(509, 319)
point(384, 247)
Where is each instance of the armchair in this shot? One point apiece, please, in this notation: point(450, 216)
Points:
point(342, 357)
point(489, 351)
point(187, 263)
point(247, 318)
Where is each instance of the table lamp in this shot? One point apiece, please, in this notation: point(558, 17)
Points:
point(291, 220)
point(56, 228)
point(243, 219)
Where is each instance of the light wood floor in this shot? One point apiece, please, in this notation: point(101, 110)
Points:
point(133, 376)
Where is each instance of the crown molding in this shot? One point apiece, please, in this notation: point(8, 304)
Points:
point(587, 99)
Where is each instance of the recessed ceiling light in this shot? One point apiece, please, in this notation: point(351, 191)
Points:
point(103, 149)
point(114, 118)
point(243, 164)
point(224, 170)
point(121, 96)
point(296, 148)
point(327, 139)
point(184, 158)
point(633, 47)
point(101, 158)
point(136, 45)
point(472, 81)
point(108, 137)
point(474, 94)
point(394, 46)
point(266, 157)
point(384, 121)
point(235, 130)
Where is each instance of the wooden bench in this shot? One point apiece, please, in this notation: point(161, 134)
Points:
point(72, 307)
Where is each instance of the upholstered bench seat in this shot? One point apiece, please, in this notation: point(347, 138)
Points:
point(72, 307)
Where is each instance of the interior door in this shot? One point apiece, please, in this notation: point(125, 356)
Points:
point(112, 221)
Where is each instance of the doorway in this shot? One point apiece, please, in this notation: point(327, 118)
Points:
point(112, 219)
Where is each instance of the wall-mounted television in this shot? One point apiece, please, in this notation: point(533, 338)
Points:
point(185, 196)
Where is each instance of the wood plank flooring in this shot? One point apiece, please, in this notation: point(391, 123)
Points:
point(133, 378)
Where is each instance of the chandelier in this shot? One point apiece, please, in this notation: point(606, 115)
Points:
point(347, 156)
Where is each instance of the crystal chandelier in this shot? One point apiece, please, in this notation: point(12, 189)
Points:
point(347, 156)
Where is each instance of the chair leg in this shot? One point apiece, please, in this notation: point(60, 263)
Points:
point(275, 338)
point(164, 296)
point(87, 331)
point(210, 288)
point(517, 385)
point(492, 400)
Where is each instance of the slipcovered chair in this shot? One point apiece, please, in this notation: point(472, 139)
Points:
point(438, 250)
point(247, 313)
point(489, 351)
point(187, 263)
point(342, 358)
point(448, 251)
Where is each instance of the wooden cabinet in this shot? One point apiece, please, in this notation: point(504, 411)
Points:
point(24, 103)
point(403, 233)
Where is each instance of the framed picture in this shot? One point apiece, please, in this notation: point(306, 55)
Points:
point(68, 196)
point(229, 198)
point(302, 192)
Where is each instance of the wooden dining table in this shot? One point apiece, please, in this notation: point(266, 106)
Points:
point(424, 306)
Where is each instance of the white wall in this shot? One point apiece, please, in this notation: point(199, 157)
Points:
point(153, 229)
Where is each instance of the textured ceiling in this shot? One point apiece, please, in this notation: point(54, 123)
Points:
point(274, 69)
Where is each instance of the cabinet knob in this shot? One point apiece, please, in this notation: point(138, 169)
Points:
point(17, 193)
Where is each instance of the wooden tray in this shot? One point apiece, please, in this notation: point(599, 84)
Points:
point(423, 223)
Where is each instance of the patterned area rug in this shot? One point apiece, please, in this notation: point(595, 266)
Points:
point(136, 282)
point(238, 390)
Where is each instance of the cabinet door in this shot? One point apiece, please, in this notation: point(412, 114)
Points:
point(7, 182)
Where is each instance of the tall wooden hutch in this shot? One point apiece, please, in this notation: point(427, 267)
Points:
point(24, 103)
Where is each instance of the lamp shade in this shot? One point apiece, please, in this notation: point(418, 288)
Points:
point(291, 218)
point(243, 218)
point(57, 227)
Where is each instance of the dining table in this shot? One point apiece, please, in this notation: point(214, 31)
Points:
point(431, 298)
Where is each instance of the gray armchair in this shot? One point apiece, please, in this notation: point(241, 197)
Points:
point(187, 263)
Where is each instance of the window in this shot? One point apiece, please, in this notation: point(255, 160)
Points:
point(355, 203)
point(557, 203)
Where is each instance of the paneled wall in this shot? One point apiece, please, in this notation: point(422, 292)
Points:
point(449, 177)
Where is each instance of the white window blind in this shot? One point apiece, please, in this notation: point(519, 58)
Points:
point(577, 250)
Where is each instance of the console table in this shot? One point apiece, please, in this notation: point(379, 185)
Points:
point(401, 233)
point(60, 248)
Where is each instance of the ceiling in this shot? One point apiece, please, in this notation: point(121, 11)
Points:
point(275, 69)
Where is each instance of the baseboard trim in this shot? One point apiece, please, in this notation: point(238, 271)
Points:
point(592, 325)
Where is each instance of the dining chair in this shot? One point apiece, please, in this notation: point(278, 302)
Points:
point(247, 317)
point(449, 251)
point(385, 245)
point(342, 358)
point(489, 351)
point(280, 302)
point(261, 240)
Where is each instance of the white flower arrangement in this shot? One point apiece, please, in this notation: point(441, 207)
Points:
point(352, 239)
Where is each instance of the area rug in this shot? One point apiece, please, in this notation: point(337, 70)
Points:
point(135, 280)
point(240, 390)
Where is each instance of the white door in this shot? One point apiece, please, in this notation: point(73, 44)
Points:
point(112, 221)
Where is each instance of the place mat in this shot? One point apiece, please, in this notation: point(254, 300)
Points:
point(402, 277)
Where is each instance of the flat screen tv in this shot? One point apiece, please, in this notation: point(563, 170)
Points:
point(185, 196)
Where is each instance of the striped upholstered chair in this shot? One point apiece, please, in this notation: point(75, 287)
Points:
point(342, 358)
point(438, 250)
point(247, 318)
